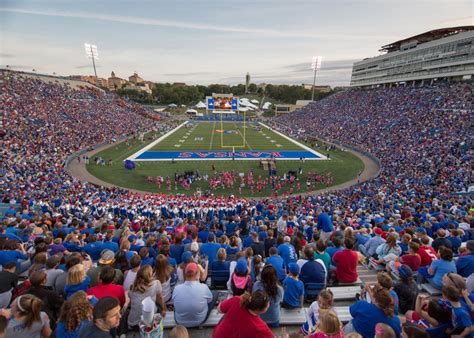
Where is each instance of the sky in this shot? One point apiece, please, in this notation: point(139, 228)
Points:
point(203, 41)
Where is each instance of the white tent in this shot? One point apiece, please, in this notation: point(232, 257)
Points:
point(244, 109)
point(172, 105)
point(200, 104)
point(191, 111)
point(267, 105)
point(254, 101)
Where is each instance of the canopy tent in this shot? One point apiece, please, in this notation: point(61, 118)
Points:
point(267, 105)
point(172, 105)
point(200, 104)
point(191, 111)
point(254, 101)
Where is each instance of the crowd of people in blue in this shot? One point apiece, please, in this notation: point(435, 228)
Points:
point(78, 259)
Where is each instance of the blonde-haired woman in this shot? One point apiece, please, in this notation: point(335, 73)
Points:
point(145, 285)
point(76, 313)
point(76, 280)
point(26, 318)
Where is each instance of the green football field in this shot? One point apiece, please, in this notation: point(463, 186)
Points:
point(217, 136)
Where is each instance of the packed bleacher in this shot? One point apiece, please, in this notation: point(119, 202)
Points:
point(80, 260)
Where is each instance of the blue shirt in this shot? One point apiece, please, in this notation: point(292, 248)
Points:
point(69, 290)
point(465, 265)
point(366, 316)
point(312, 272)
point(460, 318)
point(441, 267)
point(210, 250)
point(288, 253)
point(110, 246)
point(7, 256)
point(325, 223)
point(294, 289)
point(279, 266)
point(372, 244)
point(62, 332)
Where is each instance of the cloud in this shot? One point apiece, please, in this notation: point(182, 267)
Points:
point(330, 65)
point(17, 67)
point(189, 25)
point(6, 55)
point(87, 66)
point(190, 74)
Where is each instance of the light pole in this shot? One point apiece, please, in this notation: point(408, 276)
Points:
point(92, 53)
point(315, 65)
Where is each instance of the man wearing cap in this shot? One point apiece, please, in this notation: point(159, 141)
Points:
point(107, 258)
point(193, 301)
point(287, 251)
point(465, 263)
point(372, 244)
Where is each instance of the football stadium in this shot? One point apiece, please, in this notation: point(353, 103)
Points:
point(328, 199)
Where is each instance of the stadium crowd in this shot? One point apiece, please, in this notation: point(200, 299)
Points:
point(78, 260)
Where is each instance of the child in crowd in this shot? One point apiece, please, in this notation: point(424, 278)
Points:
point(460, 319)
point(384, 331)
point(329, 326)
point(294, 289)
point(323, 303)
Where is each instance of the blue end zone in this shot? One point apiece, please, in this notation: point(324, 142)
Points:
point(238, 155)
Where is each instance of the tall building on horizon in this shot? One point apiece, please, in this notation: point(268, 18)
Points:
point(247, 82)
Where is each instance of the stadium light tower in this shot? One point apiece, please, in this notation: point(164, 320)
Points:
point(315, 65)
point(92, 53)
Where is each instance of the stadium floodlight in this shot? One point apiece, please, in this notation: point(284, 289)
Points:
point(315, 65)
point(92, 53)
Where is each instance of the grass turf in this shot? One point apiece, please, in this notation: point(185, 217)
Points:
point(217, 136)
point(343, 167)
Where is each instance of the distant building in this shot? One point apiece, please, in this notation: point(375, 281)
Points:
point(135, 78)
point(321, 89)
point(144, 87)
point(91, 79)
point(247, 82)
point(441, 54)
point(115, 82)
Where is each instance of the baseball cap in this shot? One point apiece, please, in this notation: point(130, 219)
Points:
point(378, 231)
point(421, 230)
point(294, 268)
point(191, 269)
point(241, 266)
point(405, 271)
point(186, 256)
point(106, 257)
point(287, 239)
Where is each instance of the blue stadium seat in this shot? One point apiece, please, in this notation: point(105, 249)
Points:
point(219, 279)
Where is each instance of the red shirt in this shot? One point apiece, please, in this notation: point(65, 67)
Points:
point(238, 322)
point(427, 254)
point(346, 265)
point(413, 261)
point(103, 290)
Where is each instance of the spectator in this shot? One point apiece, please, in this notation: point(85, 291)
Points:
point(106, 287)
point(311, 270)
point(240, 279)
point(438, 268)
point(52, 264)
point(76, 314)
point(465, 263)
point(9, 283)
point(257, 246)
point(107, 258)
point(346, 263)
point(441, 240)
point(365, 316)
point(76, 280)
point(165, 273)
point(210, 248)
point(287, 252)
point(130, 275)
point(192, 300)
point(178, 331)
point(51, 301)
point(269, 284)
point(243, 309)
point(144, 286)
point(426, 252)
point(329, 326)
point(323, 303)
point(27, 319)
point(105, 319)
point(294, 289)
point(406, 289)
point(372, 244)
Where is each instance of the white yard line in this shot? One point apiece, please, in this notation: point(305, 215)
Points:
point(212, 135)
point(152, 144)
point(321, 156)
point(248, 145)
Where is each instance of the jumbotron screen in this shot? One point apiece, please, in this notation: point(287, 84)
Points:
point(222, 103)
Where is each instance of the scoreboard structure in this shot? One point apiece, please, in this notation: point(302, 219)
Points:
point(222, 103)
